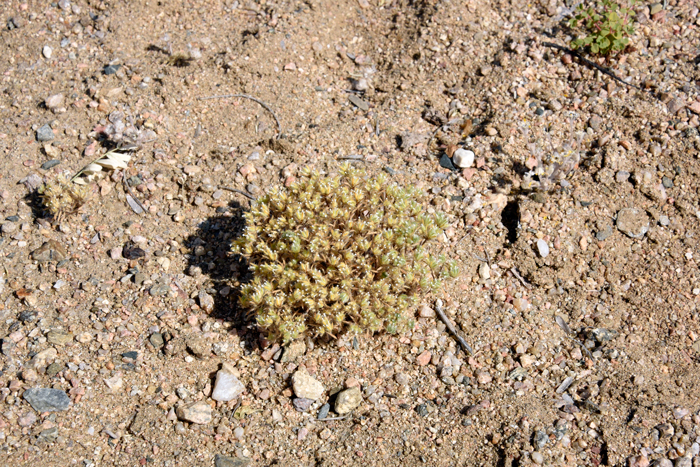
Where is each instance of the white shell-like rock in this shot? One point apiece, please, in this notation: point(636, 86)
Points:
point(463, 158)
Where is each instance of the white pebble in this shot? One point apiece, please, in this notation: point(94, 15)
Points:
point(543, 248)
point(238, 433)
point(463, 158)
point(47, 51)
point(485, 271)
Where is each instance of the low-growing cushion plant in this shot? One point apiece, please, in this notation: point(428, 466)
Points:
point(339, 253)
point(609, 26)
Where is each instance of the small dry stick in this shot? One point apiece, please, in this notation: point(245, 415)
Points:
point(241, 192)
point(443, 317)
point(254, 99)
point(131, 193)
point(334, 418)
point(517, 274)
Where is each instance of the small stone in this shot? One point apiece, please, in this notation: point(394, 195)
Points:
point(402, 378)
point(239, 433)
point(484, 271)
point(48, 436)
point(28, 419)
point(59, 337)
point(604, 234)
point(359, 103)
point(196, 412)
point(49, 251)
point(684, 462)
point(348, 400)
point(53, 369)
point(675, 105)
point(302, 404)
point(54, 102)
point(680, 412)
point(206, 301)
point(111, 69)
point(537, 458)
point(463, 158)
point(43, 358)
point(695, 107)
point(156, 340)
point(655, 8)
point(323, 411)
point(47, 51)
point(47, 399)
point(633, 222)
point(306, 386)
point(115, 383)
point(542, 248)
point(483, 377)
point(424, 358)
point(622, 176)
point(293, 350)
point(638, 461)
point(554, 105)
point(527, 360)
point(50, 164)
point(226, 461)
point(664, 220)
point(199, 345)
point(45, 133)
point(426, 312)
point(446, 162)
point(595, 122)
point(227, 386)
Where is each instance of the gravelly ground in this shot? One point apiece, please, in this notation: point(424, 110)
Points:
point(133, 342)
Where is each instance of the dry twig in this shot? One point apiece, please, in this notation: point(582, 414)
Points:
point(240, 192)
point(254, 99)
point(517, 274)
point(451, 328)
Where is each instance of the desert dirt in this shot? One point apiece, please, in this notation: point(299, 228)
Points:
point(579, 298)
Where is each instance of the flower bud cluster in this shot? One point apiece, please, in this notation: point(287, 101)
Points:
point(339, 253)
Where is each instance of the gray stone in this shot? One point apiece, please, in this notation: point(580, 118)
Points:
point(347, 400)
point(595, 122)
point(206, 301)
point(45, 133)
point(293, 350)
point(49, 251)
point(196, 412)
point(48, 436)
point(603, 234)
point(323, 411)
point(226, 461)
point(675, 105)
point(306, 386)
point(633, 222)
point(59, 337)
point(227, 387)
point(302, 404)
point(684, 462)
point(47, 399)
point(156, 340)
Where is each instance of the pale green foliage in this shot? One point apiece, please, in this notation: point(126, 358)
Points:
point(609, 26)
point(339, 253)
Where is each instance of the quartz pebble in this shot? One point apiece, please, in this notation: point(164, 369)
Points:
point(463, 158)
point(542, 248)
point(196, 412)
point(348, 400)
point(227, 387)
point(305, 386)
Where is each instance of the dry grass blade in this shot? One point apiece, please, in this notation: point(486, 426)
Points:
point(254, 99)
point(112, 160)
point(451, 328)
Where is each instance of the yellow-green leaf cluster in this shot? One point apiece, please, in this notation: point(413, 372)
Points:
point(334, 253)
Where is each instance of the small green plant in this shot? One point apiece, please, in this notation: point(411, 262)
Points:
point(609, 26)
point(338, 253)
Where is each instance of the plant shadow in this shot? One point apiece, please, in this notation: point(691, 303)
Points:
point(226, 271)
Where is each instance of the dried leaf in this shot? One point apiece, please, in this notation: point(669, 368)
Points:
point(112, 160)
point(562, 324)
point(133, 204)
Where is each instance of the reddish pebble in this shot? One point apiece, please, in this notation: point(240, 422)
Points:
point(424, 358)
point(352, 382)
